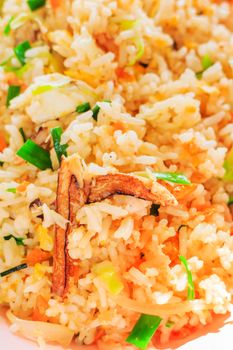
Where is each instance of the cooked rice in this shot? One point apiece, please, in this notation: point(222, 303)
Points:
point(160, 115)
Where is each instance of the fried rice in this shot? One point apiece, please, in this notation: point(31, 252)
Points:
point(116, 175)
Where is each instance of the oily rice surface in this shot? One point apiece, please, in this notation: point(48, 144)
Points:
point(161, 74)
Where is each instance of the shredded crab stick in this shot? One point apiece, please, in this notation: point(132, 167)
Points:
point(73, 192)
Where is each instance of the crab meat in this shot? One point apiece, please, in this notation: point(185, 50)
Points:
point(73, 192)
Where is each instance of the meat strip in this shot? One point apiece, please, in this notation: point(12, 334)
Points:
point(73, 192)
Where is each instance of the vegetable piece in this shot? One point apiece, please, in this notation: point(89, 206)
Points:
point(230, 200)
point(172, 177)
point(206, 62)
point(169, 324)
point(12, 190)
point(35, 155)
point(7, 28)
point(129, 24)
point(23, 134)
point(37, 255)
point(228, 166)
point(143, 331)
point(41, 89)
point(20, 51)
point(83, 107)
point(191, 291)
point(55, 3)
point(139, 43)
point(106, 272)
point(154, 209)
point(35, 4)
point(13, 91)
point(95, 112)
point(3, 143)
point(19, 241)
point(49, 332)
point(13, 269)
point(59, 149)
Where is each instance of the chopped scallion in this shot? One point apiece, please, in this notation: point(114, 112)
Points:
point(36, 155)
point(7, 28)
point(11, 190)
point(19, 241)
point(172, 177)
point(154, 209)
point(84, 107)
point(13, 91)
point(23, 134)
point(191, 291)
point(169, 324)
point(230, 200)
point(13, 269)
point(20, 51)
point(206, 62)
point(228, 166)
point(143, 331)
point(95, 112)
point(59, 149)
point(35, 4)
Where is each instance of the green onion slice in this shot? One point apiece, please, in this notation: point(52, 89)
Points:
point(19, 241)
point(191, 291)
point(23, 134)
point(20, 51)
point(230, 200)
point(169, 324)
point(11, 190)
point(13, 91)
point(59, 149)
point(35, 4)
point(13, 269)
point(143, 331)
point(95, 112)
point(154, 209)
point(206, 62)
point(35, 155)
point(172, 177)
point(7, 28)
point(84, 107)
point(228, 166)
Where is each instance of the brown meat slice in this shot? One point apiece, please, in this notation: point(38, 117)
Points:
point(105, 186)
point(73, 192)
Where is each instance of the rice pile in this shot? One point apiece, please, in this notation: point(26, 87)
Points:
point(161, 107)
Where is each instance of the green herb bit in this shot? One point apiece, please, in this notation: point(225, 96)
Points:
point(95, 112)
point(13, 269)
point(13, 91)
point(7, 28)
point(35, 155)
point(154, 209)
point(172, 177)
point(230, 200)
point(169, 324)
point(206, 62)
point(19, 241)
point(35, 4)
point(84, 107)
point(144, 330)
point(59, 149)
point(191, 291)
point(23, 134)
point(20, 51)
point(11, 190)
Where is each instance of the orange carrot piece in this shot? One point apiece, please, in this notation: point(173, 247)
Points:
point(39, 311)
point(55, 3)
point(122, 74)
point(3, 143)
point(22, 187)
point(37, 255)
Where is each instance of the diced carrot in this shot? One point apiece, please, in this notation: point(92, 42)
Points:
point(99, 334)
point(122, 74)
point(37, 255)
point(3, 143)
point(22, 187)
point(39, 311)
point(181, 191)
point(55, 3)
